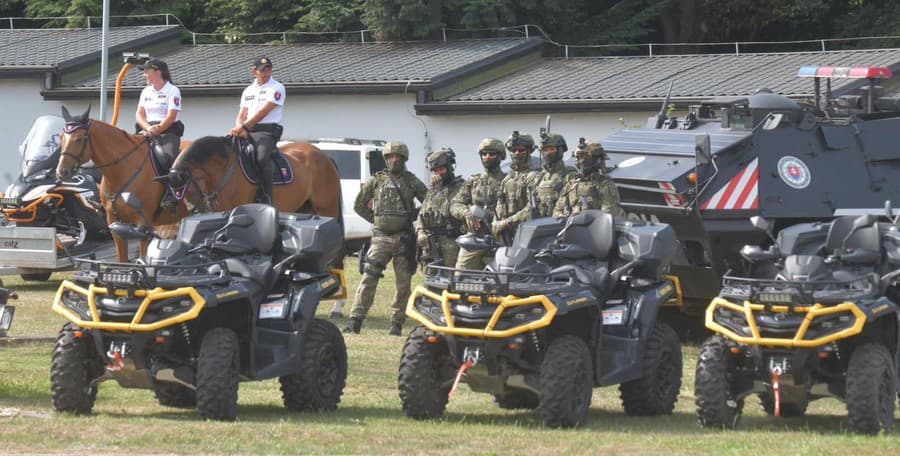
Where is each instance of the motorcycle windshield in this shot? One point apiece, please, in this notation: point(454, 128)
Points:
point(40, 144)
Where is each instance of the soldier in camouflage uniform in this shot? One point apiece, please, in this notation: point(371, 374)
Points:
point(391, 192)
point(480, 190)
point(590, 188)
point(436, 228)
point(516, 186)
point(547, 185)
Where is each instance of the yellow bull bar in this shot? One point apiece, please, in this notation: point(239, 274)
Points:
point(503, 303)
point(135, 324)
point(798, 341)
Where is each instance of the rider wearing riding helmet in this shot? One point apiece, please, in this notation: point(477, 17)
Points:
point(157, 115)
point(260, 118)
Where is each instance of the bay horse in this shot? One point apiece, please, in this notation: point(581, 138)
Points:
point(211, 166)
point(124, 160)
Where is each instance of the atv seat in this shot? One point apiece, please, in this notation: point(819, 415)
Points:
point(865, 238)
point(251, 228)
point(591, 231)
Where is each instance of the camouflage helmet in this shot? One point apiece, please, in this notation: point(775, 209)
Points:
point(554, 140)
point(395, 147)
point(493, 144)
point(517, 139)
point(589, 156)
point(444, 157)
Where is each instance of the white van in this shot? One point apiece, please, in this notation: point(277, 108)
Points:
point(356, 160)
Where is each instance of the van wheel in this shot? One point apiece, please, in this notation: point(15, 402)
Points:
point(871, 388)
point(656, 392)
point(218, 367)
point(74, 366)
point(319, 384)
point(716, 404)
point(566, 382)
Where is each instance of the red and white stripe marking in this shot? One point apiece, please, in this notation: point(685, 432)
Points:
point(740, 193)
point(672, 199)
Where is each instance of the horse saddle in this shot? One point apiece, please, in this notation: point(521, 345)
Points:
point(282, 172)
point(160, 161)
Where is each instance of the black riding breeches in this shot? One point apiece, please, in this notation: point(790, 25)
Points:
point(170, 144)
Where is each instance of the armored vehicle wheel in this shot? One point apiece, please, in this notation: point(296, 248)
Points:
point(423, 382)
point(217, 375)
point(656, 392)
point(518, 399)
point(75, 364)
point(36, 276)
point(715, 401)
point(788, 410)
point(566, 382)
point(174, 395)
point(871, 388)
point(319, 384)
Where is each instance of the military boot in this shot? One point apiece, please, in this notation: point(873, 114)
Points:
point(395, 330)
point(353, 325)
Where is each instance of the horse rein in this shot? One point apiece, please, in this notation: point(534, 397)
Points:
point(211, 197)
point(79, 159)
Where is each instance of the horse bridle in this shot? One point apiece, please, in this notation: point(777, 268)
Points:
point(209, 198)
point(72, 127)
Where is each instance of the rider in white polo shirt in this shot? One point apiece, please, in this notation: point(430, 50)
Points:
point(260, 119)
point(157, 115)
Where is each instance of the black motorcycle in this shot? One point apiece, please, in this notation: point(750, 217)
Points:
point(38, 199)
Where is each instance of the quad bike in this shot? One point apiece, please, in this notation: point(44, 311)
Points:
point(232, 298)
point(568, 306)
point(38, 199)
point(817, 317)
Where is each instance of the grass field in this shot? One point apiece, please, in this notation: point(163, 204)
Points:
point(369, 418)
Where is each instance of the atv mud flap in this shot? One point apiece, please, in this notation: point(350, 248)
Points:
point(618, 360)
point(740, 323)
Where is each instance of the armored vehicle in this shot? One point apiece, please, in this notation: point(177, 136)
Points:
point(568, 306)
point(732, 158)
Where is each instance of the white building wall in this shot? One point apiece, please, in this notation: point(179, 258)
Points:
point(389, 117)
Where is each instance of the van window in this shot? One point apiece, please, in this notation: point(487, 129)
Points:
point(376, 162)
point(347, 162)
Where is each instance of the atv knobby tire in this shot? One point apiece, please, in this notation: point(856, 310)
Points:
point(656, 392)
point(218, 368)
point(566, 382)
point(74, 365)
point(423, 388)
point(715, 401)
point(788, 410)
point(319, 384)
point(174, 395)
point(871, 389)
point(518, 399)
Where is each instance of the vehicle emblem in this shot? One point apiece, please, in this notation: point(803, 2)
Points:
point(794, 172)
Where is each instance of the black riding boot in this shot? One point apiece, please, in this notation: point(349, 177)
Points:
point(265, 183)
point(168, 201)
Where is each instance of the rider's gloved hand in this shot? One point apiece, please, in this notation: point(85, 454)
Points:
point(422, 240)
point(473, 224)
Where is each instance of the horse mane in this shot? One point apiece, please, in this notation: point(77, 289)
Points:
point(205, 148)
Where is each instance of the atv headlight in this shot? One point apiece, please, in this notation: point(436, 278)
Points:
point(122, 279)
point(430, 309)
point(773, 297)
point(470, 287)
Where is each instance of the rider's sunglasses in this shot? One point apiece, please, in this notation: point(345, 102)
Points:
point(520, 150)
point(488, 153)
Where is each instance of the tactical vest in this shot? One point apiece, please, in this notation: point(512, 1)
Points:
point(514, 191)
point(435, 210)
point(549, 187)
point(485, 189)
point(392, 205)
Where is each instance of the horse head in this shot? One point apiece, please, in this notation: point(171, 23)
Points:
point(195, 167)
point(75, 143)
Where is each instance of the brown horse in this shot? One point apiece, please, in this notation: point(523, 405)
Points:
point(124, 161)
point(211, 166)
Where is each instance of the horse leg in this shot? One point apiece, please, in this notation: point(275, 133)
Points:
point(121, 249)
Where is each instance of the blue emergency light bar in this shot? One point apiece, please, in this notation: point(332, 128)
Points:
point(815, 71)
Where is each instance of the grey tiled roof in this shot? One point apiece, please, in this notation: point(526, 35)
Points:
point(695, 76)
point(42, 48)
point(326, 63)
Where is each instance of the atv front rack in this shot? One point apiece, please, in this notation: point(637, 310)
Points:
point(790, 314)
point(489, 283)
point(144, 276)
